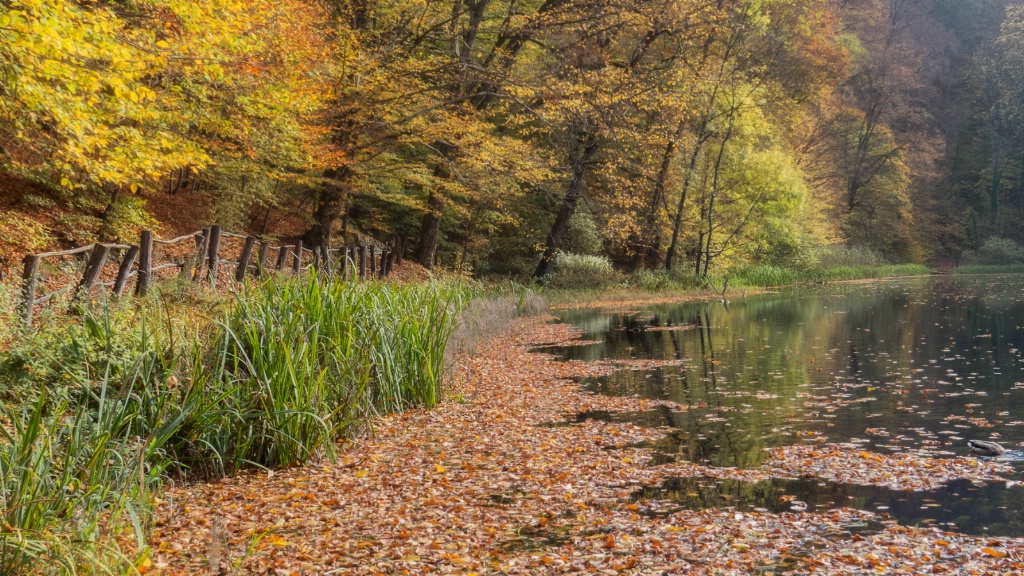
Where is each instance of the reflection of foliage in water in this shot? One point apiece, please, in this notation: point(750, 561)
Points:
point(894, 358)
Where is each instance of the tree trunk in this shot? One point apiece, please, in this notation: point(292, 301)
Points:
point(478, 210)
point(568, 207)
point(430, 227)
point(430, 230)
point(678, 221)
point(109, 209)
point(714, 196)
point(647, 246)
point(332, 198)
point(996, 136)
point(700, 251)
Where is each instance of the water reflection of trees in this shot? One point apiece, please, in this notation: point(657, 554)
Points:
point(876, 356)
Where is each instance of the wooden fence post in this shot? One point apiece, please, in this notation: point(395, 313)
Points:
point(390, 262)
point(124, 270)
point(297, 263)
point(213, 257)
point(145, 263)
point(97, 258)
point(202, 244)
point(362, 262)
point(29, 279)
point(243, 261)
point(400, 249)
point(317, 260)
point(373, 262)
point(343, 265)
point(325, 260)
point(282, 257)
point(261, 258)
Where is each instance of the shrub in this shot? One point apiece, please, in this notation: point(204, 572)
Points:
point(580, 271)
point(842, 255)
point(996, 251)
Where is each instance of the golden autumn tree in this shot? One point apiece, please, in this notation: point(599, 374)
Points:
point(114, 96)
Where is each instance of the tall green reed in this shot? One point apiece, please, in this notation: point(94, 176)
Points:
point(293, 365)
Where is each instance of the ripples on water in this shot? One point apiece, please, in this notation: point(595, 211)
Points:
point(919, 364)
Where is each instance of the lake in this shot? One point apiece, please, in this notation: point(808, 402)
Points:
point(920, 364)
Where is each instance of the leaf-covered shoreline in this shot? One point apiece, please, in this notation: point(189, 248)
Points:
point(483, 486)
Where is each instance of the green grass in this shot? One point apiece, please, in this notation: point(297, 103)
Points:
point(287, 369)
point(990, 269)
point(657, 283)
point(773, 276)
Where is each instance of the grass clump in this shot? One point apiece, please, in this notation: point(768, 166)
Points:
point(67, 482)
point(292, 366)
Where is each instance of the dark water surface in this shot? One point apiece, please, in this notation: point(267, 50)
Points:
point(904, 365)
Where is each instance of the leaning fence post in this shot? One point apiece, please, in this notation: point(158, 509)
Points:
point(261, 258)
point(243, 260)
point(28, 288)
point(202, 244)
point(316, 260)
point(124, 270)
point(297, 263)
point(97, 258)
point(213, 256)
point(145, 263)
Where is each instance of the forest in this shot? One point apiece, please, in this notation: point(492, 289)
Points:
point(687, 137)
point(544, 384)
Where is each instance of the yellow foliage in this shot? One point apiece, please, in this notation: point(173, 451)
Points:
point(122, 94)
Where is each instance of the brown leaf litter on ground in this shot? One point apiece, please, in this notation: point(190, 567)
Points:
point(491, 485)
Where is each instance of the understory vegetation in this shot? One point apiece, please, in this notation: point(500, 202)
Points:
point(576, 272)
point(100, 413)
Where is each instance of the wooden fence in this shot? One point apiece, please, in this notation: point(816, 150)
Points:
point(198, 257)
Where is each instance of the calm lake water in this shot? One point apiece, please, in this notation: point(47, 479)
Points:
point(920, 364)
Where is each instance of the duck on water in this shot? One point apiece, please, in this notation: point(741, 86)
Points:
point(982, 448)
